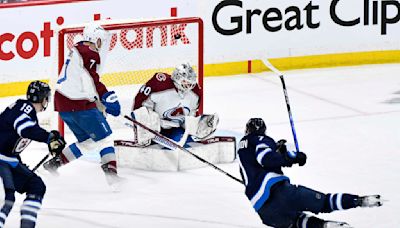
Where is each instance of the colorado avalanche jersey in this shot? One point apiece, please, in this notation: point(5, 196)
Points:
point(18, 126)
point(260, 167)
point(160, 95)
point(78, 85)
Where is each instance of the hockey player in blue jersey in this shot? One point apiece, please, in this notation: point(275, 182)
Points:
point(278, 202)
point(18, 126)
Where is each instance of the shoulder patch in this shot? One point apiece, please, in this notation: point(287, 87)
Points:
point(161, 77)
point(160, 82)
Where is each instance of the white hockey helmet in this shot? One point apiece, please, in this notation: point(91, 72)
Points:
point(96, 34)
point(184, 77)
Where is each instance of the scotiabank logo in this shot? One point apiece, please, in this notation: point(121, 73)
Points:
point(29, 44)
point(142, 37)
point(16, 42)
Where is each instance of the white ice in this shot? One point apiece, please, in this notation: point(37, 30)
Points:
point(347, 121)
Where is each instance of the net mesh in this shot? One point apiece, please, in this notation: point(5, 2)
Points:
point(139, 49)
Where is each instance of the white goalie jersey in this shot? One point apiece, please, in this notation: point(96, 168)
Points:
point(160, 95)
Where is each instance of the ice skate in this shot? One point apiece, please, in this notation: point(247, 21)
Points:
point(112, 178)
point(370, 201)
point(336, 224)
point(52, 165)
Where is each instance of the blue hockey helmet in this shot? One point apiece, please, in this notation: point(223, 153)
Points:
point(255, 126)
point(38, 91)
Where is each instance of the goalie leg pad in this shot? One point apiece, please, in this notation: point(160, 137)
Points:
point(150, 119)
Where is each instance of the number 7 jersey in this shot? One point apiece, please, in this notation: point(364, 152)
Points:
point(78, 85)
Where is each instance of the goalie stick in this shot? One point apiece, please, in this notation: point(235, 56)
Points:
point(276, 71)
point(164, 141)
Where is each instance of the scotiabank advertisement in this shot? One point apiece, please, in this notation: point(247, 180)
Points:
point(234, 30)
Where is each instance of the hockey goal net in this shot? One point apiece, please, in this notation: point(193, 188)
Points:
point(137, 50)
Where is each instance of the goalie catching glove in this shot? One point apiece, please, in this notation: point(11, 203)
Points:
point(202, 126)
point(56, 143)
point(151, 120)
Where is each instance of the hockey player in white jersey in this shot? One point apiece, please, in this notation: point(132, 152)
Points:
point(169, 104)
point(79, 95)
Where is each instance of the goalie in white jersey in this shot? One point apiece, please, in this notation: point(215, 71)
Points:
point(169, 104)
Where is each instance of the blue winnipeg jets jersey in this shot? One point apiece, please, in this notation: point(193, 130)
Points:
point(18, 126)
point(260, 167)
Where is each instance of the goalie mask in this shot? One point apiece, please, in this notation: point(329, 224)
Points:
point(255, 126)
point(184, 78)
point(96, 34)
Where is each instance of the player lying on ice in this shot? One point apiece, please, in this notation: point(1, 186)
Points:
point(169, 104)
point(278, 202)
point(18, 127)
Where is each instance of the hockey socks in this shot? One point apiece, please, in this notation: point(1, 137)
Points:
point(29, 210)
point(306, 221)
point(339, 201)
point(7, 206)
point(70, 153)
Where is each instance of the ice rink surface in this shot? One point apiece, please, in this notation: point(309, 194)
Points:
point(347, 121)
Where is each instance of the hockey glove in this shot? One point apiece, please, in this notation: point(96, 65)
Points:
point(110, 101)
point(281, 147)
point(301, 158)
point(291, 156)
point(294, 157)
point(56, 143)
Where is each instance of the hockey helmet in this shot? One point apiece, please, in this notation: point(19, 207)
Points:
point(184, 78)
point(93, 33)
point(255, 126)
point(38, 91)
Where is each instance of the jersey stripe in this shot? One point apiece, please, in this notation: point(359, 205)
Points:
point(25, 125)
point(22, 117)
point(263, 192)
point(11, 161)
point(261, 155)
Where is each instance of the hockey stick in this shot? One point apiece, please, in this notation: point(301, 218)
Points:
point(276, 71)
point(164, 141)
point(41, 162)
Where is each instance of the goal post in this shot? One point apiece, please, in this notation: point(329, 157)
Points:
point(140, 48)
